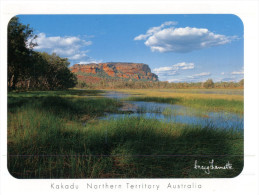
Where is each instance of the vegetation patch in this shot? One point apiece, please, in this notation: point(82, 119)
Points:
point(44, 147)
point(204, 104)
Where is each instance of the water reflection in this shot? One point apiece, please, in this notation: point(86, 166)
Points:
point(175, 113)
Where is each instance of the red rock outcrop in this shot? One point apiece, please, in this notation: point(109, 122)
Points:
point(136, 71)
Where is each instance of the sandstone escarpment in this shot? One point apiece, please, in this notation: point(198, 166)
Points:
point(137, 71)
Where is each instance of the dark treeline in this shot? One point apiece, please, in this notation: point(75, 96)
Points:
point(30, 70)
point(122, 84)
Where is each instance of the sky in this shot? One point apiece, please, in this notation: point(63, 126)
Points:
point(178, 48)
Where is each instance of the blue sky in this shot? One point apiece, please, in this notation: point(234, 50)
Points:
point(178, 48)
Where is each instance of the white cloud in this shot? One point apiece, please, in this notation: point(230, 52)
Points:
point(166, 38)
point(77, 56)
point(237, 72)
point(45, 42)
point(163, 69)
point(200, 75)
point(228, 79)
point(153, 30)
point(90, 61)
point(184, 66)
point(68, 46)
point(174, 69)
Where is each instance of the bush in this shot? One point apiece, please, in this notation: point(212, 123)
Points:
point(241, 83)
point(208, 84)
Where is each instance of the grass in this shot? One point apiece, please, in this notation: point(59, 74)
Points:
point(55, 136)
point(69, 93)
point(234, 106)
point(66, 108)
point(203, 91)
point(220, 101)
point(225, 94)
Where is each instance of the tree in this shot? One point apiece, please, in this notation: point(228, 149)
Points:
point(208, 84)
point(19, 51)
point(52, 72)
point(241, 83)
point(34, 70)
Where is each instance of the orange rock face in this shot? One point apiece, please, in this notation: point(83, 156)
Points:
point(91, 68)
point(136, 71)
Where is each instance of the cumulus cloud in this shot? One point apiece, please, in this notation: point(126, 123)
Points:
point(237, 72)
point(153, 30)
point(167, 38)
point(200, 75)
point(78, 56)
point(192, 78)
point(184, 66)
point(90, 61)
point(68, 46)
point(174, 69)
point(229, 79)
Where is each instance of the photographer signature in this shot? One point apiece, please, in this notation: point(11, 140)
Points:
point(207, 168)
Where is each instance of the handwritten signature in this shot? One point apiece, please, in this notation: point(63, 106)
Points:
point(207, 168)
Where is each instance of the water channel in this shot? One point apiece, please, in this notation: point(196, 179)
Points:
point(174, 113)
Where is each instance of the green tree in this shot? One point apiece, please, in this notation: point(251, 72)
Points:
point(55, 73)
point(20, 45)
point(241, 83)
point(208, 84)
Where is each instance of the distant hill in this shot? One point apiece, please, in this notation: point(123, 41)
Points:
point(113, 70)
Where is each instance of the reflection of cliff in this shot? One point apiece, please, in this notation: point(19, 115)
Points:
point(117, 70)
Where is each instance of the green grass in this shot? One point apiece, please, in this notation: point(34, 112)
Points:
point(205, 91)
point(57, 137)
point(68, 93)
point(235, 106)
point(226, 94)
point(66, 108)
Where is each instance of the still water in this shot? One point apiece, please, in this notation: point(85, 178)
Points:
point(175, 113)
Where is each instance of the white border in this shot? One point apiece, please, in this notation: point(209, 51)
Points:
point(246, 182)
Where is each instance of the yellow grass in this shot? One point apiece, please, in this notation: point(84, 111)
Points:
point(180, 94)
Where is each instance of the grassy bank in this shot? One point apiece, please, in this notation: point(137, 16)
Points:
point(234, 106)
point(57, 137)
point(227, 94)
point(67, 108)
point(217, 100)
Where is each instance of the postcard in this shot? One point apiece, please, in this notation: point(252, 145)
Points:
point(130, 102)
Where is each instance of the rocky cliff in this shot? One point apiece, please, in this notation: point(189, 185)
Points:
point(134, 71)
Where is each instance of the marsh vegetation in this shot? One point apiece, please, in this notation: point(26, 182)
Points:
point(64, 134)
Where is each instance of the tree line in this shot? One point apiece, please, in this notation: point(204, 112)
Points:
point(30, 70)
point(105, 83)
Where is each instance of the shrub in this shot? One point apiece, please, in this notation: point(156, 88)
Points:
point(208, 84)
